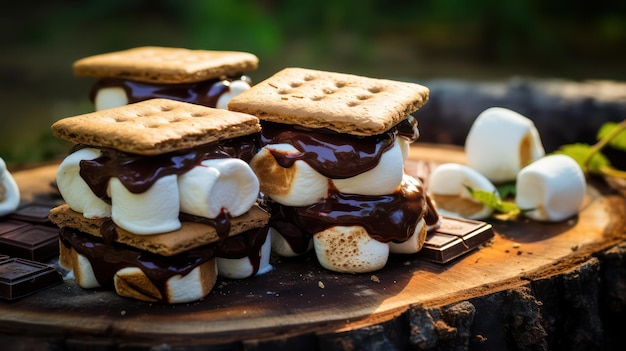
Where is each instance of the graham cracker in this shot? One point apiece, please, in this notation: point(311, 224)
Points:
point(189, 236)
point(153, 64)
point(155, 127)
point(344, 103)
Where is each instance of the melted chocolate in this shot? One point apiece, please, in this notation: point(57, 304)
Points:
point(334, 155)
point(204, 93)
point(386, 218)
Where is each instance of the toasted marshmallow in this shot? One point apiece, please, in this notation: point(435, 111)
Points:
point(151, 212)
point(381, 180)
point(109, 98)
point(75, 190)
point(414, 243)
point(282, 248)
point(241, 268)
point(9, 191)
point(501, 142)
point(349, 249)
point(219, 184)
point(447, 185)
point(236, 87)
point(405, 147)
point(553, 187)
point(298, 185)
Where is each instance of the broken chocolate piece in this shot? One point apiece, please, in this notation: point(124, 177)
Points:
point(455, 237)
point(30, 241)
point(34, 213)
point(20, 277)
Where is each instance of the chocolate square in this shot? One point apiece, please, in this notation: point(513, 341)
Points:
point(455, 237)
point(33, 212)
point(33, 242)
point(19, 278)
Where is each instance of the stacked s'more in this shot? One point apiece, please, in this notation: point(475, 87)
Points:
point(157, 202)
point(331, 166)
point(205, 77)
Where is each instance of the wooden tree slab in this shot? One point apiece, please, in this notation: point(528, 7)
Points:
point(410, 302)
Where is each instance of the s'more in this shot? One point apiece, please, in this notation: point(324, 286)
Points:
point(206, 77)
point(157, 202)
point(331, 164)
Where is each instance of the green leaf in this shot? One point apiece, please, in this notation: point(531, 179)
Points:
point(506, 190)
point(491, 199)
point(580, 153)
point(618, 141)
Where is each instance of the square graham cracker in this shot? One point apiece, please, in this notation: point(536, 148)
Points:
point(154, 64)
point(340, 102)
point(155, 127)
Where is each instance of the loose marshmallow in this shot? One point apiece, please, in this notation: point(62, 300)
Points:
point(349, 249)
point(381, 180)
point(553, 186)
point(75, 190)
point(414, 243)
point(501, 142)
point(282, 248)
point(298, 185)
point(447, 185)
point(241, 268)
point(151, 212)
point(109, 98)
point(9, 191)
point(219, 184)
point(236, 87)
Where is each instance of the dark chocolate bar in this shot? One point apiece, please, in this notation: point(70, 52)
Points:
point(33, 213)
point(30, 241)
point(455, 237)
point(20, 277)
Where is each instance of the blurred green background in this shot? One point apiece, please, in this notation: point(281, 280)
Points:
point(411, 40)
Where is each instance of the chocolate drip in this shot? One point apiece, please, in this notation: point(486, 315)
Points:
point(138, 173)
point(205, 93)
point(334, 155)
point(386, 218)
point(247, 244)
point(221, 223)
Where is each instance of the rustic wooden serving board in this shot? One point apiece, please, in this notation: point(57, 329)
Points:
point(299, 301)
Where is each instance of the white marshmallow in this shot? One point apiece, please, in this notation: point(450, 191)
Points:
point(9, 191)
point(75, 190)
point(349, 249)
point(298, 185)
point(281, 247)
point(109, 98)
point(236, 87)
point(447, 185)
point(413, 244)
point(405, 146)
point(381, 180)
point(83, 273)
point(501, 142)
point(151, 212)
point(218, 184)
point(241, 268)
point(554, 186)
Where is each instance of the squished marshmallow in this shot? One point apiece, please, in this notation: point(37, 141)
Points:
point(110, 97)
point(75, 190)
point(218, 184)
point(447, 184)
point(414, 243)
point(151, 212)
point(236, 87)
point(9, 191)
point(298, 185)
point(381, 180)
point(501, 142)
point(349, 249)
point(241, 268)
point(553, 187)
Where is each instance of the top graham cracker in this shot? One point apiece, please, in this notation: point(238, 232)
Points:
point(155, 127)
point(153, 64)
point(340, 102)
